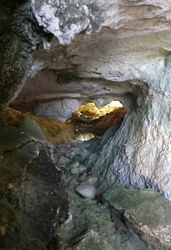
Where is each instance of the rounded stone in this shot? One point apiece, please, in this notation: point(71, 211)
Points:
point(81, 168)
point(74, 164)
point(78, 170)
point(90, 180)
point(87, 191)
point(82, 176)
point(75, 170)
point(63, 160)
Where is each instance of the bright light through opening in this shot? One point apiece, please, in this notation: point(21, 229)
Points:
point(115, 104)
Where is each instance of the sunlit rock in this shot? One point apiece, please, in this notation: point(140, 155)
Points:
point(76, 17)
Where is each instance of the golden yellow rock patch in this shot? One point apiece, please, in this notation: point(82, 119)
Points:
point(54, 130)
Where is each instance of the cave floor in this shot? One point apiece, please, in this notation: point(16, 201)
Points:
point(92, 222)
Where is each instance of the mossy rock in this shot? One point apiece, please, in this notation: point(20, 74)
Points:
point(91, 228)
point(148, 212)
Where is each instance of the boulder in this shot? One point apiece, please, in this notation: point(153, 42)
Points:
point(91, 228)
point(147, 212)
point(32, 197)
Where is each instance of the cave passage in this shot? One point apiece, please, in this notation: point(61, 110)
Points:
point(87, 122)
point(58, 97)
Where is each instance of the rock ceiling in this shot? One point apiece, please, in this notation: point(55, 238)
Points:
point(107, 49)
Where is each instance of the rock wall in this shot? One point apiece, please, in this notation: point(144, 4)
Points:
point(140, 149)
point(32, 197)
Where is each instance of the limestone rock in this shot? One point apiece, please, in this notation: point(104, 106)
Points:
point(61, 109)
point(90, 180)
point(63, 160)
point(91, 228)
point(82, 176)
point(73, 164)
point(148, 212)
point(86, 191)
point(127, 59)
point(30, 186)
point(77, 16)
point(77, 170)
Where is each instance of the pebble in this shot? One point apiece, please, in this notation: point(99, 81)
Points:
point(87, 191)
point(82, 176)
point(63, 160)
point(90, 180)
point(73, 164)
point(75, 171)
point(78, 170)
point(71, 155)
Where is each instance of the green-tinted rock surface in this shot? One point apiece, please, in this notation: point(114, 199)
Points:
point(33, 202)
point(89, 227)
point(148, 213)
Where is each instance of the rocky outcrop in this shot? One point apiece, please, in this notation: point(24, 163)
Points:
point(32, 197)
point(66, 19)
point(90, 227)
point(18, 39)
point(147, 212)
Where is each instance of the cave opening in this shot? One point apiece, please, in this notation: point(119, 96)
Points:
point(72, 105)
point(88, 120)
point(91, 121)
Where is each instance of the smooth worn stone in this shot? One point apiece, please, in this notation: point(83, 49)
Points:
point(63, 160)
point(82, 176)
point(86, 191)
point(78, 157)
point(75, 170)
point(67, 179)
point(82, 168)
point(78, 170)
point(72, 155)
point(90, 180)
point(73, 164)
point(73, 182)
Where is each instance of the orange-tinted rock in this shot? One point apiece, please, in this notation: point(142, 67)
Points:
point(100, 125)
